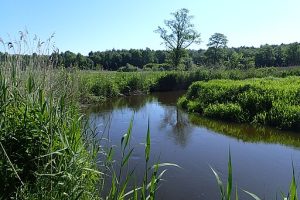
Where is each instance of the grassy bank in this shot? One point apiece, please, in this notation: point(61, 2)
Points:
point(45, 150)
point(267, 101)
point(95, 86)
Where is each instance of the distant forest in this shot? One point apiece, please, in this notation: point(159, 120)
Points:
point(136, 59)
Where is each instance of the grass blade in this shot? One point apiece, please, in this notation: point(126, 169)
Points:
point(252, 195)
point(293, 187)
point(165, 165)
point(229, 180)
point(219, 181)
point(126, 158)
point(236, 193)
point(148, 143)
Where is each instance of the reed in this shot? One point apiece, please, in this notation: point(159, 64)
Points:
point(46, 152)
point(226, 193)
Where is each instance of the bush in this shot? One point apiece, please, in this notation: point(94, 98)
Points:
point(270, 101)
point(284, 117)
point(128, 68)
point(195, 106)
point(156, 67)
point(227, 112)
point(105, 88)
point(182, 102)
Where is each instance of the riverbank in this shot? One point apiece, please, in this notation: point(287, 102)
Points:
point(97, 86)
point(46, 151)
point(266, 101)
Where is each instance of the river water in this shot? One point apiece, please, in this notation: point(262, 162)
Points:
point(261, 157)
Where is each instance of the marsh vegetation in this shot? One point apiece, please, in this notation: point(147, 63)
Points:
point(54, 143)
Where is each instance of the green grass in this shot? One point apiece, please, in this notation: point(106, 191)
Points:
point(45, 153)
point(48, 152)
point(267, 101)
point(96, 86)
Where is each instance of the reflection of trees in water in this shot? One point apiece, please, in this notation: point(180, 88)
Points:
point(168, 98)
point(173, 117)
point(248, 133)
point(134, 103)
point(179, 123)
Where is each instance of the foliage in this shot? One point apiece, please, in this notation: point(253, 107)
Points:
point(229, 112)
point(179, 35)
point(128, 68)
point(156, 67)
point(95, 86)
point(268, 101)
point(217, 43)
point(44, 147)
point(230, 58)
point(225, 193)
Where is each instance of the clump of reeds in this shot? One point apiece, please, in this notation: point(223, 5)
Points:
point(45, 150)
point(123, 183)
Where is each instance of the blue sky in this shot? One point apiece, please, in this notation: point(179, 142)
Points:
point(84, 26)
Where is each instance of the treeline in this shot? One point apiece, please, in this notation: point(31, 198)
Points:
point(135, 59)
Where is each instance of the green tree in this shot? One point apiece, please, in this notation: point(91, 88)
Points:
point(178, 35)
point(217, 43)
point(265, 57)
point(293, 54)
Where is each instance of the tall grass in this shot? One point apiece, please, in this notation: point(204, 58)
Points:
point(46, 152)
point(46, 149)
point(96, 86)
point(123, 183)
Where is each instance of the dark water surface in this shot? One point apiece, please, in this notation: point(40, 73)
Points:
point(261, 157)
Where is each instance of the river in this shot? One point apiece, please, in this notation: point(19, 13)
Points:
point(261, 157)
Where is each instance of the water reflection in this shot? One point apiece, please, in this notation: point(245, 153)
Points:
point(194, 143)
point(179, 123)
point(248, 133)
point(182, 123)
point(134, 103)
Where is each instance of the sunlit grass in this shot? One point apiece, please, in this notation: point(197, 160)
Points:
point(267, 101)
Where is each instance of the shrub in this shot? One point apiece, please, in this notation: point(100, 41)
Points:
point(271, 101)
point(284, 116)
point(227, 112)
point(128, 68)
point(182, 102)
point(195, 106)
